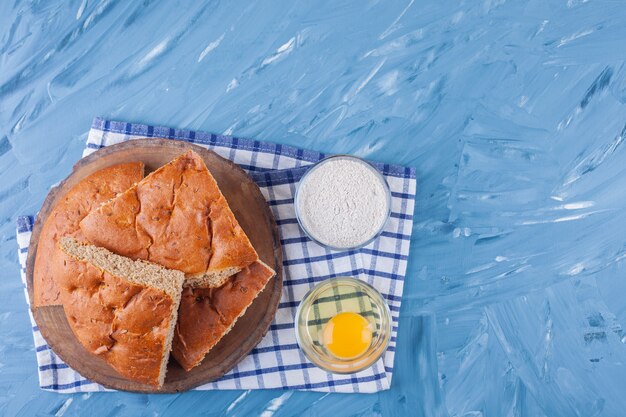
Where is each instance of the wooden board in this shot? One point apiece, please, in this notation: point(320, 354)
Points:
point(254, 216)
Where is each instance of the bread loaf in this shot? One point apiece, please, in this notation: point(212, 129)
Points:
point(122, 310)
point(176, 217)
point(206, 315)
point(64, 219)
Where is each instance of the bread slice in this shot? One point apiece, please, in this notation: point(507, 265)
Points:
point(64, 219)
point(207, 314)
point(122, 310)
point(176, 217)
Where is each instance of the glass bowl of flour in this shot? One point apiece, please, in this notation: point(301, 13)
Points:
point(343, 202)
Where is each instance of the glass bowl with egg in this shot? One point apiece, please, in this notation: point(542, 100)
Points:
point(342, 202)
point(343, 325)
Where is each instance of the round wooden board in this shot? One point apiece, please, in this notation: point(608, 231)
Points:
point(254, 216)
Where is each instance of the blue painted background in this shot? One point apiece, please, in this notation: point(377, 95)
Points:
point(513, 113)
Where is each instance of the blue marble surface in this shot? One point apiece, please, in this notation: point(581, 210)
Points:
point(513, 113)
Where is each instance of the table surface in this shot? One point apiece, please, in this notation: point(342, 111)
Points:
point(512, 112)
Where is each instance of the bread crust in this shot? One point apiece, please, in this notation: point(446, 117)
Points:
point(176, 217)
point(64, 220)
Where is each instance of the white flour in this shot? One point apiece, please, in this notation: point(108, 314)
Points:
point(342, 203)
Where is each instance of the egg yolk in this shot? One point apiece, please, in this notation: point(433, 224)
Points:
point(347, 335)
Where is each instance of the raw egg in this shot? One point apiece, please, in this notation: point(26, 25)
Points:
point(347, 335)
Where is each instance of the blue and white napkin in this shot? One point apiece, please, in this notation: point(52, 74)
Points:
point(276, 362)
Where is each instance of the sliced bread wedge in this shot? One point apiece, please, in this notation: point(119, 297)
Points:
point(177, 217)
point(122, 310)
point(207, 314)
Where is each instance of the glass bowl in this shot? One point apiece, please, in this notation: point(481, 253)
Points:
point(364, 163)
point(329, 298)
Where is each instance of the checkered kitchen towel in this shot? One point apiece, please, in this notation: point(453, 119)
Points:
point(276, 362)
